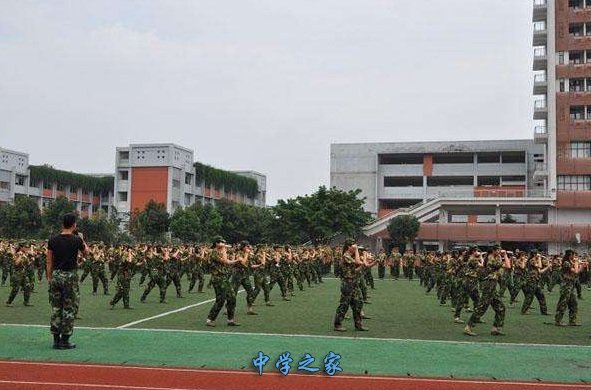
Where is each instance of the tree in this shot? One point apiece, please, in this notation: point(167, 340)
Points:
point(196, 223)
point(244, 222)
point(21, 219)
point(100, 227)
point(403, 230)
point(53, 214)
point(151, 223)
point(322, 215)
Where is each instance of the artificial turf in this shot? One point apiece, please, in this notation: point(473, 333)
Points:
point(400, 309)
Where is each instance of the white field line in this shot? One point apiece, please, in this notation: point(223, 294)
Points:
point(316, 336)
point(168, 313)
point(351, 377)
point(92, 385)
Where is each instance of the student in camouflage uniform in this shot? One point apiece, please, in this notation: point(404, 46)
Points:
point(97, 271)
point(395, 259)
point(519, 275)
point(241, 275)
point(533, 284)
point(173, 266)
point(570, 269)
point(124, 274)
point(276, 274)
point(382, 258)
point(351, 270)
point(156, 272)
point(19, 279)
point(496, 263)
point(86, 267)
point(5, 261)
point(260, 276)
point(469, 288)
point(220, 279)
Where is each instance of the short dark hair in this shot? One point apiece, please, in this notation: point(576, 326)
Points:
point(69, 220)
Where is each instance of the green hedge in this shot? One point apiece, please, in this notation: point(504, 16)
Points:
point(91, 183)
point(229, 180)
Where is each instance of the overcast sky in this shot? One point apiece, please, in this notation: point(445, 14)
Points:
point(265, 85)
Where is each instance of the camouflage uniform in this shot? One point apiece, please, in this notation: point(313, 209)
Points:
point(395, 266)
point(350, 293)
point(19, 279)
point(533, 287)
point(382, 264)
point(157, 273)
point(568, 298)
point(124, 274)
point(490, 295)
point(241, 277)
point(63, 297)
point(224, 293)
point(469, 287)
point(518, 285)
point(173, 274)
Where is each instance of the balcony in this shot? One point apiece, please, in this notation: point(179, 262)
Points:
point(540, 33)
point(540, 172)
point(540, 10)
point(540, 84)
point(540, 109)
point(540, 58)
point(541, 135)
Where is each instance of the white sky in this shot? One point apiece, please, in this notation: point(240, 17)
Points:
point(264, 85)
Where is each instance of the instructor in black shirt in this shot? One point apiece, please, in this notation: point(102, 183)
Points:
point(62, 261)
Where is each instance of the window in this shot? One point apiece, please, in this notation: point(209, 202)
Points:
point(412, 181)
point(576, 85)
point(574, 29)
point(576, 57)
point(122, 196)
point(561, 58)
point(580, 149)
point(562, 85)
point(123, 175)
point(47, 185)
point(574, 183)
point(587, 29)
point(124, 155)
point(60, 187)
point(576, 4)
point(4, 185)
point(20, 180)
point(577, 113)
point(84, 207)
point(541, 26)
point(188, 178)
point(176, 183)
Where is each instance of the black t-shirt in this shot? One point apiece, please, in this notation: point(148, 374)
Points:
point(65, 248)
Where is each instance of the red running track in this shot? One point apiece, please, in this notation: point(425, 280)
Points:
point(64, 376)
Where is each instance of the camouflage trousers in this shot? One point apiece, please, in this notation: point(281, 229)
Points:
point(174, 277)
point(395, 270)
point(6, 270)
point(260, 283)
point(102, 276)
point(469, 290)
point(381, 271)
point(19, 281)
point(530, 291)
point(490, 297)
point(194, 276)
point(244, 281)
point(368, 276)
point(350, 296)
point(158, 280)
point(123, 287)
point(224, 294)
point(517, 286)
point(568, 299)
point(63, 300)
point(278, 278)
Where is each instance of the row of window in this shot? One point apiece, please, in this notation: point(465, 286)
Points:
point(574, 183)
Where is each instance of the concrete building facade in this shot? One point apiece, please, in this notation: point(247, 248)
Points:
point(16, 180)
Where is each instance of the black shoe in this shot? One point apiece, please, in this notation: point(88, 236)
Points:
point(65, 344)
point(57, 340)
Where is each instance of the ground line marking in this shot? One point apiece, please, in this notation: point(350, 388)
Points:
point(66, 384)
point(351, 377)
point(168, 313)
point(312, 336)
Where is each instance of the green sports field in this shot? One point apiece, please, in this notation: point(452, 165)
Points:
point(410, 334)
